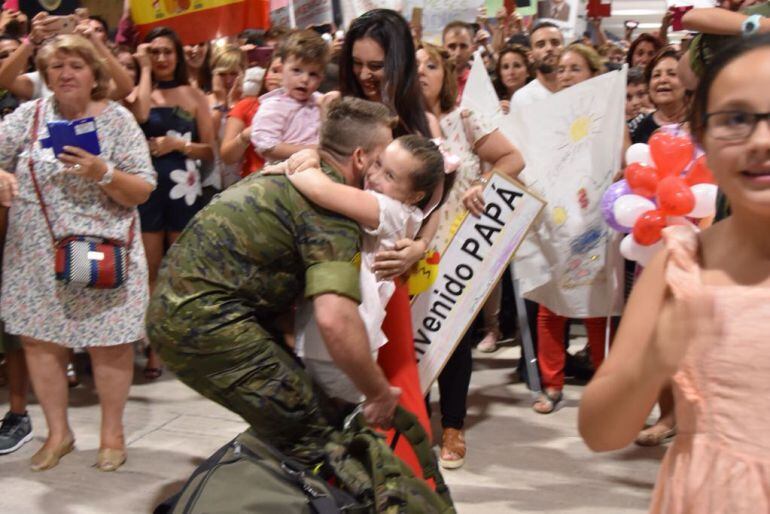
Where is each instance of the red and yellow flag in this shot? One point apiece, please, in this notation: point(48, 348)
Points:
point(200, 20)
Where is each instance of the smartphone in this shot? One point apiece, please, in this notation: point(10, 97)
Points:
point(417, 17)
point(326, 28)
point(260, 56)
point(61, 24)
point(631, 24)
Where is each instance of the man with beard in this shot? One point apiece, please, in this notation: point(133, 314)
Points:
point(238, 267)
point(546, 41)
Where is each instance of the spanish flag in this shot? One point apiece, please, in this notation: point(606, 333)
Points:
point(200, 20)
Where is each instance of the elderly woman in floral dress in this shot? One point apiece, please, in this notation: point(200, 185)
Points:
point(82, 194)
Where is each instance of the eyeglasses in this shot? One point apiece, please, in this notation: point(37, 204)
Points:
point(733, 125)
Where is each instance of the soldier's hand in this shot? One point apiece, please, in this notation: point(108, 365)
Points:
point(378, 411)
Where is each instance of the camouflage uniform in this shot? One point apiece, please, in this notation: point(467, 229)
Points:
point(239, 264)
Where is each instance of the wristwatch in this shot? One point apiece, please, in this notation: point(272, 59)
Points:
point(108, 175)
point(751, 25)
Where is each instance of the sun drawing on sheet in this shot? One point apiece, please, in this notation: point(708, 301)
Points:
point(581, 125)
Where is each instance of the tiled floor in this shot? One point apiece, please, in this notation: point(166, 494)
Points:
point(518, 461)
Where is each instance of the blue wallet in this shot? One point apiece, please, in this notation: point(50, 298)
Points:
point(80, 133)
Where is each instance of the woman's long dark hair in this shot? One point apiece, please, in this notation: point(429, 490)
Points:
point(401, 90)
point(642, 38)
point(500, 89)
point(180, 71)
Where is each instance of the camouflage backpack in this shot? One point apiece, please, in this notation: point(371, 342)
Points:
point(360, 475)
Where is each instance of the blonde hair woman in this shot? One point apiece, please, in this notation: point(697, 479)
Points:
point(228, 67)
point(81, 193)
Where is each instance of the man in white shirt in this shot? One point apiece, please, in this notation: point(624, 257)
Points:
point(547, 43)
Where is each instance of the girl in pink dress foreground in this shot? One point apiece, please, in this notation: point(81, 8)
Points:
point(711, 295)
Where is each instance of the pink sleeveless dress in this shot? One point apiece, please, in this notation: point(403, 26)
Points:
point(719, 462)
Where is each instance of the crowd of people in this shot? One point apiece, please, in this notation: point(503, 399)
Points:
point(238, 175)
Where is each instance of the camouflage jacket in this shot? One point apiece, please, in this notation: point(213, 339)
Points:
point(249, 254)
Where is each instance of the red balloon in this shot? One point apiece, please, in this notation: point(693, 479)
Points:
point(675, 197)
point(648, 228)
point(700, 173)
point(671, 154)
point(643, 180)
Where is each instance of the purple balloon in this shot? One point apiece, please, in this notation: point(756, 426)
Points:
point(612, 193)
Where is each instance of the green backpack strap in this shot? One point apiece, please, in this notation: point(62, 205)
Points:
point(406, 423)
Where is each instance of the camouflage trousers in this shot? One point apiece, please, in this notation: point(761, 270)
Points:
point(245, 369)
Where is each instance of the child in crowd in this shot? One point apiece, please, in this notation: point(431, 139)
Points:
point(289, 117)
point(700, 314)
point(636, 95)
point(401, 188)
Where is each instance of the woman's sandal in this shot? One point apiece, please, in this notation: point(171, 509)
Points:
point(452, 454)
point(655, 435)
point(547, 402)
point(110, 459)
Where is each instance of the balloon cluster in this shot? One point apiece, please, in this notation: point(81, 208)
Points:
point(663, 186)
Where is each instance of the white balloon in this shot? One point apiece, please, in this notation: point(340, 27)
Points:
point(638, 152)
point(628, 208)
point(633, 251)
point(705, 200)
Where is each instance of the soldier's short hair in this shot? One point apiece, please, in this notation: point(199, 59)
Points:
point(352, 123)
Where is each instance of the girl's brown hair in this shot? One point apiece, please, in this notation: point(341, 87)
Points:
point(431, 174)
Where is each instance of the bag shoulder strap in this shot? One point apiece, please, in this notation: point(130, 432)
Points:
point(38, 192)
point(410, 428)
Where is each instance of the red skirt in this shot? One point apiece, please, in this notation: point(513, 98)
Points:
point(399, 363)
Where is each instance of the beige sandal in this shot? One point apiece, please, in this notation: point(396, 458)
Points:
point(452, 455)
point(655, 435)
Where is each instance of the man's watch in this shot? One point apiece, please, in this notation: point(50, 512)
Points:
point(751, 25)
point(108, 175)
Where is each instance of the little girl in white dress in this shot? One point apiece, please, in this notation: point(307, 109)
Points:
point(405, 183)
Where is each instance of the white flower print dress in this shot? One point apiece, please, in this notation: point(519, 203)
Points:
point(462, 129)
point(33, 303)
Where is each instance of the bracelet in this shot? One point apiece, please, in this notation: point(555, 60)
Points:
point(186, 149)
point(108, 176)
point(481, 181)
point(751, 25)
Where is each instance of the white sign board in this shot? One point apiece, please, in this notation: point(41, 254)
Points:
point(470, 267)
point(306, 13)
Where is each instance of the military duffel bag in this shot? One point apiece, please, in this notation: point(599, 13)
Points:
point(247, 475)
